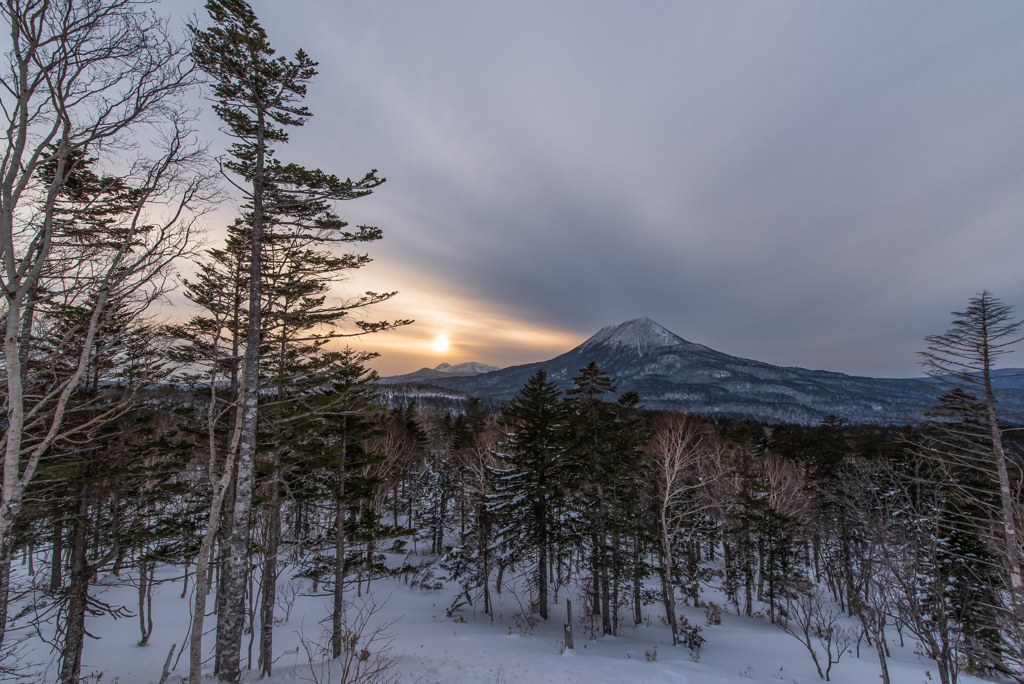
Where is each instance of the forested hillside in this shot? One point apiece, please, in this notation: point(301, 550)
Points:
point(839, 536)
point(674, 374)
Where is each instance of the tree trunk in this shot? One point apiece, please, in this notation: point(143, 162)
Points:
point(442, 507)
point(760, 568)
point(542, 573)
point(338, 613)
point(227, 518)
point(488, 609)
point(202, 573)
point(6, 549)
point(613, 605)
point(231, 619)
point(730, 575)
point(668, 592)
point(371, 546)
point(146, 570)
point(637, 604)
point(880, 648)
point(568, 625)
point(748, 579)
point(55, 554)
point(78, 595)
point(270, 577)
point(1007, 500)
point(118, 550)
point(606, 618)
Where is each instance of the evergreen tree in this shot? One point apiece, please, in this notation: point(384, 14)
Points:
point(527, 489)
point(746, 491)
point(474, 446)
point(594, 466)
point(110, 481)
point(632, 433)
point(258, 97)
point(958, 429)
point(321, 434)
point(964, 357)
point(208, 346)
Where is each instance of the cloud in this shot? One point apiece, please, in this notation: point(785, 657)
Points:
point(803, 183)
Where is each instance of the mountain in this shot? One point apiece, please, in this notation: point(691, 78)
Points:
point(671, 373)
point(444, 370)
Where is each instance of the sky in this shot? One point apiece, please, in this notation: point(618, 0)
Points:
point(803, 183)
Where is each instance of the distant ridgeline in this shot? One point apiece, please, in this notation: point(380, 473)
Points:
point(670, 373)
point(400, 394)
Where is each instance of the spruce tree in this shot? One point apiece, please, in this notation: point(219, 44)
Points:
point(258, 97)
point(957, 428)
point(592, 457)
point(526, 491)
point(338, 419)
point(208, 347)
point(965, 357)
point(109, 480)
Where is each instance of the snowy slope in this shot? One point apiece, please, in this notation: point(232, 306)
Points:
point(641, 336)
point(470, 647)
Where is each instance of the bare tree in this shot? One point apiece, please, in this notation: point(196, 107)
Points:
point(366, 656)
point(80, 79)
point(872, 493)
point(686, 459)
point(813, 621)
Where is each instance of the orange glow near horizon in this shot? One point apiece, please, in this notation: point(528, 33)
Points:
point(448, 326)
point(491, 339)
point(472, 331)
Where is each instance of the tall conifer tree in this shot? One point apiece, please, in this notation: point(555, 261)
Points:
point(965, 356)
point(526, 491)
point(591, 446)
point(258, 97)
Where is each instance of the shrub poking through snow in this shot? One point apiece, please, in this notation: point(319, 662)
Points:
point(811, 619)
point(689, 635)
point(712, 613)
point(366, 656)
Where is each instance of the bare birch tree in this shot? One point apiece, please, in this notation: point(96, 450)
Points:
point(687, 461)
point(81, 78)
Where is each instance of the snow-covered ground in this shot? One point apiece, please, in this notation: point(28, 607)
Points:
point(471, 647)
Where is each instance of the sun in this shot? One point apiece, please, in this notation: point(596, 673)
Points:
point(440, 344)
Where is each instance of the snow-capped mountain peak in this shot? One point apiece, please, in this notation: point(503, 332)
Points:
point(444, 370)
point(468, 368)
point(641, 335)
point(669, 372)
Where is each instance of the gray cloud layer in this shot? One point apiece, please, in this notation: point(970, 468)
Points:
point(805, 183)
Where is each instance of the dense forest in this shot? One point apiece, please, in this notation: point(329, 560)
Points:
point(246, 437)
point(578, 493)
